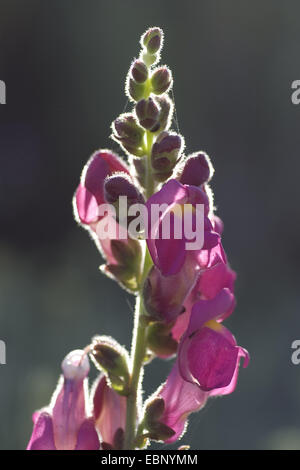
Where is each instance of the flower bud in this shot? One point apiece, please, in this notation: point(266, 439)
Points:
point(152, 40)
point(122, 194)
point(139, 71)
point(165, 154)
point(166, 111)
point(119, 185)
point(112, 359)
point(161, 80)
point(147, 113)
point(75, 365)
point(197, 169)
point(128, 133)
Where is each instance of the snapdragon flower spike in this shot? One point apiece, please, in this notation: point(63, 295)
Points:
point(67, 423)
point(208, 353)
point(169, 254)
point(109, 414)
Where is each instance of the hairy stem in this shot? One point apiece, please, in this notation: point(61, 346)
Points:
point(138, 354)
point(138, 348)
point(150, 184)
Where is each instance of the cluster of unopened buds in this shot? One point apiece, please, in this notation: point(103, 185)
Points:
point(182, 294)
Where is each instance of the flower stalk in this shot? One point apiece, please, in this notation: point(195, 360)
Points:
point(183, 294)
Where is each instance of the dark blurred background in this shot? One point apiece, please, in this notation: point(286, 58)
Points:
point(64, 63)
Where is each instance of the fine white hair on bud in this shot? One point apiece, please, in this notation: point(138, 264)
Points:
point(75, 365)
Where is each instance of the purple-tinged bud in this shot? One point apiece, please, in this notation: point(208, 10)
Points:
point(152, 40)
point(165, 154)
point(197, 169)
point(166, 111)
point(75, 365)
point(147, 113)
point(134, 90)
point(154, 411)
point(128, 133)
point(122, 194)
point(161, 80)
point(139, 71)
point(126, 127)
point(113, 360)
point(119, 185)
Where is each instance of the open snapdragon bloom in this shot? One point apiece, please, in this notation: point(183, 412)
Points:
point(175, 265)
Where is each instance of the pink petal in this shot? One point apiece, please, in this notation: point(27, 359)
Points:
point(231, 387)
point(212, 359)
point(87, 438)
point(181, 398)
point(215, 278)
point(109, 410)
point(68, 414)
point(86, 205)
point(170, 194)
point(99, 166)
point(205, 310)
point(42, 436)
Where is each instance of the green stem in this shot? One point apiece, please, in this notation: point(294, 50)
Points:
point(138, 354)
point(138, 348)
point(150, 184)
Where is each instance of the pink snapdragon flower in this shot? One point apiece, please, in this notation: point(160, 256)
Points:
point(208, 353)
point(67, 423)
point(90, 192)
point(182, 398)
point(170, 254)
point(90, 195)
